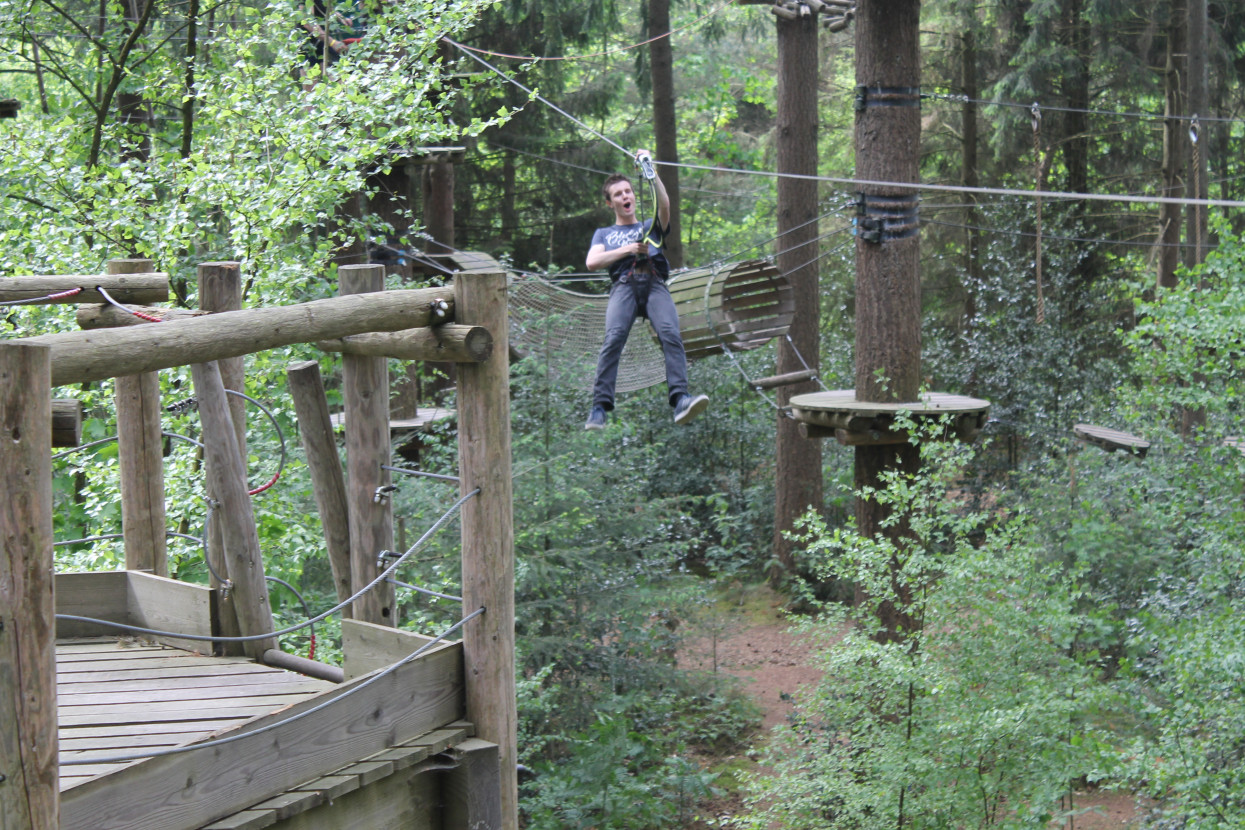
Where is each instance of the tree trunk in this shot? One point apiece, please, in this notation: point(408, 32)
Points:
point(969, 169)
point(888, 296)
point(1199, 101)
point(799, 478)
point(1175, 146)
point(665, 128)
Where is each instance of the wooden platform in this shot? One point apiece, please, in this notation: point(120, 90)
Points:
point(290, 738)
point(854, 423)
point(1111, 439)
point(116, 696)
point(424, 416)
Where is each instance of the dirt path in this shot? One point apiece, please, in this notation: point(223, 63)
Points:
point(749, 639)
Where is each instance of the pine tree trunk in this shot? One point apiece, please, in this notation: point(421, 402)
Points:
point(665, 128)
point(1175, 146)
point(888, 296)
point(799, 480)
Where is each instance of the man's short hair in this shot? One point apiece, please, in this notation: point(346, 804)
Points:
point(611, 181)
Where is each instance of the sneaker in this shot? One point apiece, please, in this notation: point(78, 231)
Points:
point(689, 407)
point(596, 418)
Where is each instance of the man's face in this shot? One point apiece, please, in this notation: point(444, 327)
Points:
point(622, 200)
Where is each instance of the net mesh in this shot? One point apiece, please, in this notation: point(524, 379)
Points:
point(566, 329)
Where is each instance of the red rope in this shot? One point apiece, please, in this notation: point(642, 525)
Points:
point(263, 487)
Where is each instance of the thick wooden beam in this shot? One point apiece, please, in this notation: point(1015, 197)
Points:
point(82, 356)
point(488, 530)
point(227, 480)
point(29, 793)
point(365, 388)
point(327, 482)
point(443, 344)
point(140, 457)
point(143, 286)
point(220, 289)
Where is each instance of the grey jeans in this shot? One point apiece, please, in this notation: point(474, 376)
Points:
point(639, 294)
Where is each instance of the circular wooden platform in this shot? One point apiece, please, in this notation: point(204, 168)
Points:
point(854, 423)
point(1111, 439)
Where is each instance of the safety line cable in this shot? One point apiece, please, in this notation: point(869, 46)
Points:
point(682, 187)
point(427, 591)
point(420, 473)
point(534, 94)
point(112, 438)
point(955, 188)
point(1155, 116)
point(47, 298)
point(1055, 238)
point(117, 759)
point(139, 314)
point(619, 50)
point(385, 574)
point(855, 183)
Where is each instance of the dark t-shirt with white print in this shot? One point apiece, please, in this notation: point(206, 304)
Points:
point(616, 236)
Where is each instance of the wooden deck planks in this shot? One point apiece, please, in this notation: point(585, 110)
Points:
point(117, 697)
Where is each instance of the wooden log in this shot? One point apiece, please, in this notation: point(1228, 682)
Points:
point(29, 798)
point(227, 479)
point(327, 482)
point(365, 387)
point(82, 356)
point(66, 422)
point(110, 317)
point(784, 379)
point(446, 344)
point(488, 530)
point(124, 287)
point(140, 458)
point(220, 289)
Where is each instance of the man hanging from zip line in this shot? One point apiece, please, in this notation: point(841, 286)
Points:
point(638, 270)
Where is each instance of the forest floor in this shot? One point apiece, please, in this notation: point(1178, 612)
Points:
point(749, 638)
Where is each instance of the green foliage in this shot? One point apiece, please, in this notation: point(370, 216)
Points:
point(981, 717)
point(1187, 347)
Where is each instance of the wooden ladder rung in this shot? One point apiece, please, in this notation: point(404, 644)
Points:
point(784, 380)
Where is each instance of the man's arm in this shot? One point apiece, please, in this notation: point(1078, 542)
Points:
point(599, 258)
point(663, 199)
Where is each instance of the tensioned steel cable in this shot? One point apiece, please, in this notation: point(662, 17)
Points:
point(385, 574)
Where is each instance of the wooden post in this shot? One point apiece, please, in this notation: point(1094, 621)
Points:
point(140, 448)
point(226, 477)
point(488, 530)
point(220, 289)
point(327, 481)
point(29, 791)
point(365, 387)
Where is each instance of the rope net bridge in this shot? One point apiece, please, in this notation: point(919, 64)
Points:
point(732, 307)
